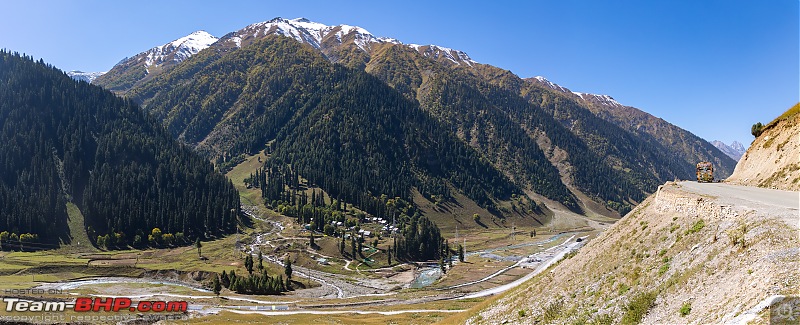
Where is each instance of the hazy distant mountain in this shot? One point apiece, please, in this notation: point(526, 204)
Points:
point(84, 76)
point(736, 150)
point(564, 146)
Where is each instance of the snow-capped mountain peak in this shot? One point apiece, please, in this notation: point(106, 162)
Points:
point(319, 35)
point(738, 146)
point(179, 49)
point(736, 150)
point(309, 32)
point(196, 41)
point(327, 39)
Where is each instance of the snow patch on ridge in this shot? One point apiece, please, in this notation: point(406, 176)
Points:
point(179, 49)
point(551, 84)
point(436, 51)
point(595, 98)
point(314, 34)
point(85, 76)
point(600, 99)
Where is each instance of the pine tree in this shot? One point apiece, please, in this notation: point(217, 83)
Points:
point(248, 263)
point(353, 246)
point(198, 245)
point(216, 285)
point(225, 280)
point(287, 268)
point(232, 278)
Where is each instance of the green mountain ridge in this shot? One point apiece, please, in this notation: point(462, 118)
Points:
point(655, 131)
point(68, 141)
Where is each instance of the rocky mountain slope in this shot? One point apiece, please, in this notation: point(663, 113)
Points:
point(656, 131)
point(343, 44)
point(736, 150)
point(680, 257)
point(772, 159)
point(546, 140)
point(145, 65)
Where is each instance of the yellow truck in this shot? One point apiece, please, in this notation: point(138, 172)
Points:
point(705, 172)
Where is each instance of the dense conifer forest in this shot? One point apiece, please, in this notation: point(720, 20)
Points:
point(66, 141)
point(342, 129)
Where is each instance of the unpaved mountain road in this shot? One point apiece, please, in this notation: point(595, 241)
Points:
point(778, 203)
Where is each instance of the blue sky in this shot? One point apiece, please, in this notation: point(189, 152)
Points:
point(712, 67)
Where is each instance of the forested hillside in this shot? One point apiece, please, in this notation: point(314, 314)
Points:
point(490, 114)
point(679, 148)
point(233, 98)
point(63, 140)
point(342, 129)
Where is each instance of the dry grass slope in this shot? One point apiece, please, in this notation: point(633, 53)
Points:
point(677, 258)
point(772, 159)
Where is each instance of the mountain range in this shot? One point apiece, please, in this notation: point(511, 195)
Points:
point(736, 150)
point(685, 244)
point(250, 90)
point(143, 65)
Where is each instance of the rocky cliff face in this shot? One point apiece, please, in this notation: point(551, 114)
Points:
point(678, 258)
point(773, 159)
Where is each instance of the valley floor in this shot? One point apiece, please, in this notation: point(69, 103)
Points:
point(328, 285)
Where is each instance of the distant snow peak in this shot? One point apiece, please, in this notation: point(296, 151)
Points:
point(85, 76)
point(315, 34)
point(738, 146)
point(179, 49)
point(736, 150)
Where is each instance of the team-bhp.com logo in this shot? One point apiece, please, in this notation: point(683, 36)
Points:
point(95, 305)
point(785, 311)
